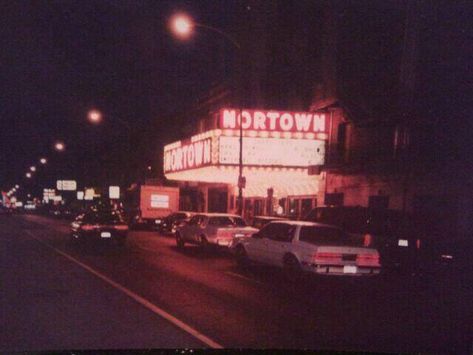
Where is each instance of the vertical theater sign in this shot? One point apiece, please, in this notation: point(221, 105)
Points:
point(278, 148)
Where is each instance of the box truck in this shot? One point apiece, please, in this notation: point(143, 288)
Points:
point(147, 205)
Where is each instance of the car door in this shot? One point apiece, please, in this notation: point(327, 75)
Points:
point(256, 248)
point(189, 229)
point(279, 243)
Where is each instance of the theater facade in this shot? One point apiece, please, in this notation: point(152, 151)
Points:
point(281, 150)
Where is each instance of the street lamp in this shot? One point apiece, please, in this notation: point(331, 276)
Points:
point(17, 186)
point(43, 161)
point(28, 175)
point(182, 26)
point(94, 116)
point(33, 168)
point(59, 146)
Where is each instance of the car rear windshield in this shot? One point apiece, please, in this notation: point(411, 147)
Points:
point(321, 235)
point(224, 221)
point(105, 218)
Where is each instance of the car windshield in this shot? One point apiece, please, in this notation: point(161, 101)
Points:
point(322, 235)
point(224, 221)
point(105, 218)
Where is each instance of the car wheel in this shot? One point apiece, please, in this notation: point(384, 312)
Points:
point(179, 241)
point(204, 244)
point(292, 268)
point(242, 257)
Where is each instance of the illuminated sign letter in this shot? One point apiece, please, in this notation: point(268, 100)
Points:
point(198, 148)
point(229, 119)
point(319, 123)
point(190, 156)
point(273, 116)
point(246, 122)
point(207, 151)
point(286, 121)
point(259, 120)
point(303, 121)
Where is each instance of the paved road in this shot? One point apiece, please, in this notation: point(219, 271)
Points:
point(112, 298)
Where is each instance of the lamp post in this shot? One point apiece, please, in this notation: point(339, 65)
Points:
point(96, 117)
point(183, 26)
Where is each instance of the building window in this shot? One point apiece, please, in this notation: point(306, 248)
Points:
point(334, 199)
point(378, 202)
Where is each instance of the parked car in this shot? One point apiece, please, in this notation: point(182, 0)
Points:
point(103, 225)
point(396, 235)
point(212, 229)
point(171, 222)
point(260, 221)
point(298, 246)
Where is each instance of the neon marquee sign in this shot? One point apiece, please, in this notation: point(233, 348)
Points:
point(280, 121)
point(188, 156)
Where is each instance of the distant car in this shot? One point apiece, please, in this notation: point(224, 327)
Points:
point(298, 247)
point(170, 223)
point(260, 221)
point(218, 229)
point(394, 234)
point(94, 226)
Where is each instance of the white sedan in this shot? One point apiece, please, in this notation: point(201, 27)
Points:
point(212, 228)
point(306, 246)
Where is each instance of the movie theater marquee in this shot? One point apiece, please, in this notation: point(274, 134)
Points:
point(280, 121)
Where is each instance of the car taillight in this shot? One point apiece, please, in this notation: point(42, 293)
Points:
point(88, 227)
point(327, 257)
point(418, 243)
point(367, 259)
point(121, 228)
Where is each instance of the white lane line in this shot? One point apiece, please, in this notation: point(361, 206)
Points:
point(242, 277)
point(144, 302)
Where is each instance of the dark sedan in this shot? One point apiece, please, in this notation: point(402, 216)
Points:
point(170, 223)
point(99, 226)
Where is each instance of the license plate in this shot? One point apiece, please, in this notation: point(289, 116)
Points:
point(349, 269)
point(106, 235)
point(403, 242)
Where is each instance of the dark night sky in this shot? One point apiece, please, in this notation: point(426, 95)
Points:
point(61, 58)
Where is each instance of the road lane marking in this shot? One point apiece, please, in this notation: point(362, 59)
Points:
point(242, 277)
point(141, 300)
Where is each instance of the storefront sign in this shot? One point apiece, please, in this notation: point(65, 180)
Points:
point(114, 192)
point(66, 185)
point(159, 201)
point(272, 151)
point(280, 121)
point(188, 156)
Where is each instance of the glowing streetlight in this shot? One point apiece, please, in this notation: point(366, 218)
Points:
point(43, 161)
point(33, 168)
point(181, 25)
point(17, 186)
point(94, 116)
point(59, 146)
point(28, 175)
